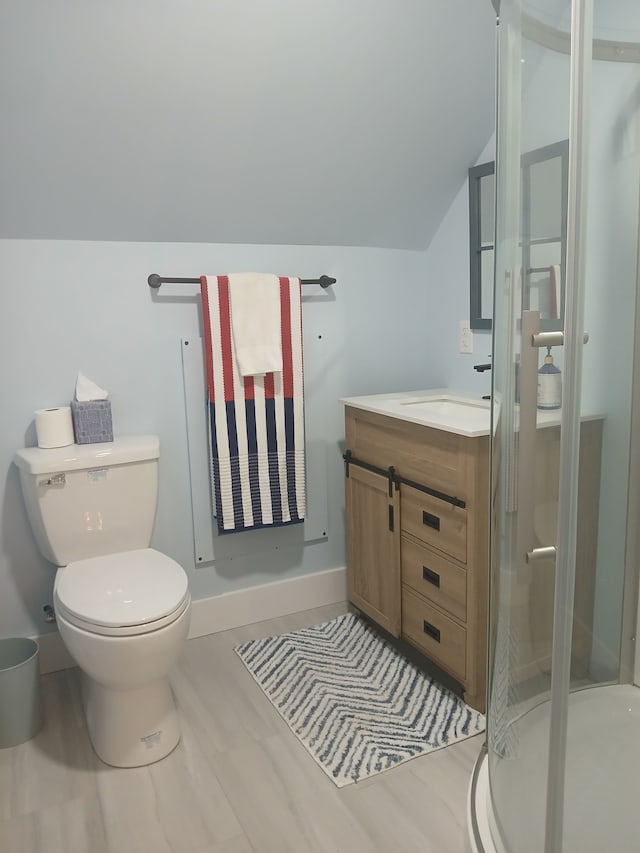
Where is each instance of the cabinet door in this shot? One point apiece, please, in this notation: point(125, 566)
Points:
point(373, 547)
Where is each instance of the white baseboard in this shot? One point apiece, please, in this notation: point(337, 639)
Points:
point(267, 601)
point(232, 609)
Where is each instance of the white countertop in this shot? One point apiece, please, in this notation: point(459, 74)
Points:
point(460, 412)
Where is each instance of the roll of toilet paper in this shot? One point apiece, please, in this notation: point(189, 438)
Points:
point(54, 427)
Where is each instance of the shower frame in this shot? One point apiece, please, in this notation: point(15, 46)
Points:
point(586, 49)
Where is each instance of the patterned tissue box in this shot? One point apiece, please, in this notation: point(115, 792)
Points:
point(92, 421)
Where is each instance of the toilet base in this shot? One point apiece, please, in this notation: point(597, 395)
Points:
point(131, 727)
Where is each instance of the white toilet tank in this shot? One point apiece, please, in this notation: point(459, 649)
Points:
point(87, 500)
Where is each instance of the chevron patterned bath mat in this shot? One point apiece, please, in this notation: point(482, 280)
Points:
point(357, 705)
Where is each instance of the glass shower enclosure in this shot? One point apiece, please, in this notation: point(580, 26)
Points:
point(561, 768)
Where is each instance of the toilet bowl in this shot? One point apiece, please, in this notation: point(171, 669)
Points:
point(123, 618)
point(122, 608)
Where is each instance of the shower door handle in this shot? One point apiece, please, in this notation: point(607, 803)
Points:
point(532, 340)
point(552, 339)
point(548, 552)
point(527, 426)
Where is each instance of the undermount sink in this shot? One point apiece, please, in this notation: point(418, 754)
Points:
point(446, 405)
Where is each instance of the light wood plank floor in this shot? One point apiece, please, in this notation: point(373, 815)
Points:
point(238, 782)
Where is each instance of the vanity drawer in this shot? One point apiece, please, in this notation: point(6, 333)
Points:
point(435, 578)
point(440, 638)
point(437, 523)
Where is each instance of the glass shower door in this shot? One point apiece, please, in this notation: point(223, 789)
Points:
point(535, 462)
point(564, 714)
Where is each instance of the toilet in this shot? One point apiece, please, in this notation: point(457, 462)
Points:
point(122, 608)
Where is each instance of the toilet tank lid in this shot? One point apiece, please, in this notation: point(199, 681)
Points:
point(78, 457)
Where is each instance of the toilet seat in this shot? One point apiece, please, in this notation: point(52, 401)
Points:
point(123, 594)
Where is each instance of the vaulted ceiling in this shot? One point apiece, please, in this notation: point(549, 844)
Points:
point(326, 122)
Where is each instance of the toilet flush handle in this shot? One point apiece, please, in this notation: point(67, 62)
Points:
point(54, 480)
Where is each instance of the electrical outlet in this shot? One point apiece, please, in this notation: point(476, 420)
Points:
point(465, 337)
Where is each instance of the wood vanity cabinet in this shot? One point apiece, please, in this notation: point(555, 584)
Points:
point(417, 503)
point(417, 559)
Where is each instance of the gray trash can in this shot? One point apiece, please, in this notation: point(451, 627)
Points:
point(20, 697)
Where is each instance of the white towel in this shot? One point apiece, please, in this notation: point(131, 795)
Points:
point(255, 322)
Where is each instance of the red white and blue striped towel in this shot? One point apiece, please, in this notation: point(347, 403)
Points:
point(256, 423)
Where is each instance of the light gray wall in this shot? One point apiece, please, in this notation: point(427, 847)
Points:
point(447, 262)
point(341, 122)
point(284, 124)
point(83, 305)
point(309, 127)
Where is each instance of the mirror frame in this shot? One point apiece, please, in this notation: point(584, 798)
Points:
point(476, 249)
point(476, 174)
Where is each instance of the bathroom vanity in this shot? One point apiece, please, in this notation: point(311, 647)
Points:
point(417, 504)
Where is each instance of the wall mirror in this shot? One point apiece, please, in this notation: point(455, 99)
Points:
point(543, 235)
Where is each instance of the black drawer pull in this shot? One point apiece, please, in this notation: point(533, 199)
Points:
point(391, 519)
point(431, 630)
point(431, 520)
point(431, 576)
